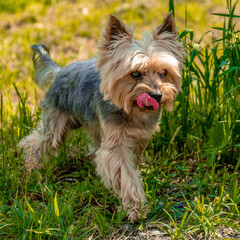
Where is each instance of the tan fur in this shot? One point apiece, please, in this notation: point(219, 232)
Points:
point(46, 139)
point(150, 55)
point(116, 163)
point(123, 144)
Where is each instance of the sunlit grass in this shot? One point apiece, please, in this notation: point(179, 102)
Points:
point(191, 166)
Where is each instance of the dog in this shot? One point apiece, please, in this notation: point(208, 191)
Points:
point(116, 97)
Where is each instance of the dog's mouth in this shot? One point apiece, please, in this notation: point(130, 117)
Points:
point(148, 101)
point(149, 107)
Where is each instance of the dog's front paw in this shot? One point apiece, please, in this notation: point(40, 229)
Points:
point(135, 214)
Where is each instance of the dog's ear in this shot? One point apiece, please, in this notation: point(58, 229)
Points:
point(168, 25)
point(115, 34)
point(116, 30)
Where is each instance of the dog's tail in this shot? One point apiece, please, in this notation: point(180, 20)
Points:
point(45, 69)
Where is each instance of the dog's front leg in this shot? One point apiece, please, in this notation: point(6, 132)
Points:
point(116, 164)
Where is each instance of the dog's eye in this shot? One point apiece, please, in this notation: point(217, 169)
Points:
point(137, 75)
point(163, 74)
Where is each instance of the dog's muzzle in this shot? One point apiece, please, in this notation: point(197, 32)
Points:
point(156, 95)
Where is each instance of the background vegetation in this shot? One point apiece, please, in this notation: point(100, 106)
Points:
point(191, 166)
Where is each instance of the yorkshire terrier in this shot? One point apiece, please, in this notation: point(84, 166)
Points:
point(117, 98)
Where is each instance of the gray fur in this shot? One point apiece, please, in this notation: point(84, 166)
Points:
point(72, 100)
point(75, 91)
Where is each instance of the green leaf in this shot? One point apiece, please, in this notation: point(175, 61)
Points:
point(225, 15)
point(225, 72)
point(171, 7)
point(218, 136)
point(194, 52)
point(56, 209)
point(218, 139)
point(223, 63)
point(30, 208)
point(185, 32)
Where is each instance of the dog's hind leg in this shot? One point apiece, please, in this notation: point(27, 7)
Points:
point(47, 138)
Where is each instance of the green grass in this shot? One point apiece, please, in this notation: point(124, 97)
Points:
point(190, 167)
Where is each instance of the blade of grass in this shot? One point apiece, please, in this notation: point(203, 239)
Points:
point(2, 148)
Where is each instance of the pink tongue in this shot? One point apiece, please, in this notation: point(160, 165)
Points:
point(144, 100)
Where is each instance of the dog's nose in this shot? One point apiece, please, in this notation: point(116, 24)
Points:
point(156, 95)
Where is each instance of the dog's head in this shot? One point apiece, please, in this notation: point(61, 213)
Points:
point(140, 74)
